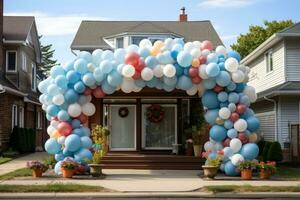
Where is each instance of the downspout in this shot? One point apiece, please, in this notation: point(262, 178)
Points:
point(275, 109)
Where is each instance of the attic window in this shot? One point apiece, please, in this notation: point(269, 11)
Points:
point(11, 61)
point(120, 42)
point(136, 39)
point(269, 61)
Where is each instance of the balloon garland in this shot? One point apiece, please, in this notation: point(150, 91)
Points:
point(195, 67)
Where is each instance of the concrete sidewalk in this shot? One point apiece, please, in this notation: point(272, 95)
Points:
point(20, 162)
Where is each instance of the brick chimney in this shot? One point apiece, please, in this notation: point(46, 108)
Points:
point(182, 16)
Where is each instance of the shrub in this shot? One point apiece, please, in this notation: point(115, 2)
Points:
point(266, 150)
point(261, 145)
point(275, 152)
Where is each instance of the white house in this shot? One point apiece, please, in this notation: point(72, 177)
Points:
point(275, 74)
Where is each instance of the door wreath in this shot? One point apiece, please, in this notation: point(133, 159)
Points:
point(155, 113)
point(123, 112)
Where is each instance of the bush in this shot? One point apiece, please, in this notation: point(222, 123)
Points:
point(275, 152)
point(261, 145)
point(23, 140)
point(266, 150)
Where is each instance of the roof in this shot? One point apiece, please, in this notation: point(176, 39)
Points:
point(287, 88)
point(292, 31)
point(91, 34)
point(17, 27)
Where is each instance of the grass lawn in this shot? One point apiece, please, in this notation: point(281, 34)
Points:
point(56, 187)
point(249, 188)
point(285, 171)
point(17, 173)
point(4, 160)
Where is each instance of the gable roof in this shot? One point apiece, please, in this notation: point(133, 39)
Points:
point(91, 34)
point(17, 27)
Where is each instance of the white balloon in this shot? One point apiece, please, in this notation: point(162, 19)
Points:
point(205, 52)
point(61, 140)
point(169, 70)
point(238, 76)
point(208, 146)
point(50, 130)
point(235, 144)
point(188, 46)
point(240, 125)
point(232, 107)
point(196, 53)
point(145, 43)
point(224, 113)
point(88, 109)
point(127, 85)
point(58, 99)
point(231, 64)
point(236, 159)
point(147, 74)
point(218, 146)
point(44, 107)
point(202, 71)
point(197, 44)
point(54, 123)
point(74, 110)
point(158, 71)
point(221, 50)
point(128, 71)
point(82, 99)
point(91, 67)
point(192, 91)
point(250, 92)
point(169, 43)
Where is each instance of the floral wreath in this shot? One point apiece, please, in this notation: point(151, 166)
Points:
point(155, 113)
point(123, 112)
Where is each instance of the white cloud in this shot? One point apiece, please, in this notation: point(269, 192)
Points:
point(49, 25)
point(225, 3)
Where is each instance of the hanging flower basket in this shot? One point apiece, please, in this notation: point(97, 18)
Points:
point(123, 112)
point(155, 113)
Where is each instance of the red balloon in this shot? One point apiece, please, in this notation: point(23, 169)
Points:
point(137, 75)
point(98, 93)
point(226, 142)
point(193, 72)
point(196, 80)
point(88, 91)
point(202, 60)
point(82, 118)
point(218, 88)
point(234, 117)
point(241, 108)
point(206, 44)
point(243, 137)
point(64, 128)
point(141, 65)
point(132, 59)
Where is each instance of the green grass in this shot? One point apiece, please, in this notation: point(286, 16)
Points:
point(249, 188)
point(288, 172)
point(55, 187)
point(4, 159)
point(17, 173)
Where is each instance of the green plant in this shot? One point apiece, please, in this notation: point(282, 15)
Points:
point(69, 164)
point(275, 152)
point(36, 165)
point(99, 137)
point(266, 166)
point(196, 135)
point(214, 161)
point(266, 150)
point(247, 165)
point(261, 144)
point(49, 161)
point(96, 159)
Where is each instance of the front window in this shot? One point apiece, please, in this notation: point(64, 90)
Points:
point(21, 117)
point(11, 61)
point(39, 120)
point(120, 42)
point(136, 40)
point(269, 61)
point(33, 77)
point(14, 116)
point(24, 66)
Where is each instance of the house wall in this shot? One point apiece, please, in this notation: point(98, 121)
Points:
point(262, 80)
point(292, 59)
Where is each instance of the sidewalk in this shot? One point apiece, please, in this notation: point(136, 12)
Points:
point(20, 162)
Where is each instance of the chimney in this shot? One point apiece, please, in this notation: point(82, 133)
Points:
point(182, 16)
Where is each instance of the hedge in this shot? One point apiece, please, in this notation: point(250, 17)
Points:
point(23, 140)
point(275, 152)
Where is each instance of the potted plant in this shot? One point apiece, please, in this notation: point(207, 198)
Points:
point(211, 166)
point(266, 169)
point(94, 164)
point(37, 168)
point(50, 162)
point(68, 168)
point(246, 168)
point(197, 145)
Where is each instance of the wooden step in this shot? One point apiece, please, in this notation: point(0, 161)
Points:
point(145, 166)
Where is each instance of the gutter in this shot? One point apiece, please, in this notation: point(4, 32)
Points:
point(13, 91)
point(30, 101)
point(275, 109)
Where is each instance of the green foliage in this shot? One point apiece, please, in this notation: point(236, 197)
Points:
point(49, 161)
point(47, 58)
point(216, 162)
point(247, 164)
point(17, 173)
point(266, 150)
point(268, 166)
point(4, 159)
point(261, 145)
point(23, 140)
point(256, 35)
point(275, 152)
point(69, 164)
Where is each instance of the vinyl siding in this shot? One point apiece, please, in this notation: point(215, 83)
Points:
point(293, 59)
point(267, 125)
point(262, 80)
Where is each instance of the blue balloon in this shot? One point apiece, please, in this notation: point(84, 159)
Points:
point(249, 151)
point(209, 83)
point(228, 124)
point(240, 87)
point(63, 115)
point(184, 82)
point(53, 90)
point(107, 88)
point(107, 55)
point(52, 110)
point(253, 124)
point(233, 97)
point(223, 79)
point(186, 71)
point(140, 83)
point(79, 87)
point(71, 96)
point(80, 66)
point(48, 117)
point(232, 133)
point(61, 81)
point(75, 123)
point(223, 96)
point(52, 146)
point(86, 56)
point(151, 62)
point(57, 168)
point(69, 66)
point(114, 79)
point(179, 70)
point(56, 71)
point(170, 81)
point(88, 79)
point(235, 55)
point(168, 88)
point(212, 156)
point(174, 54)
point(59, 157)
point(228, 152)
point(245, 100)
point(218, 133)
point(86, 131)
point(73, 143)
point(152, 83)
point(67, 153)
point(177, 48)
point(230, 169)
point(224, 104)
point(222, 66)
point(212, 69)
point(211, 116)
point(73, 76)
point(210, 100)
point(86, 142)
point(212, 58)
point(77, 131)
point(184, 59)
point(231, 87)
point(98, 74)
point(83, 155)
point(144, 52)
point(106, 66)
point(119, 55)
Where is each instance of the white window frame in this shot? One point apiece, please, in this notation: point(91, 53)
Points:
point(269, 67)
point(21, 116)
point(14, 116)
point(6, 62)
point(39, 120)
point(33, 76)
point(116, 42)
point(24, 62)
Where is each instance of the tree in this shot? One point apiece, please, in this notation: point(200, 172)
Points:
point(256, 35)
point(47, 58)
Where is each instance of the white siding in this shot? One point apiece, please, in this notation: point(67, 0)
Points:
point(293, 59)
point(259, 78)
point(267, 125)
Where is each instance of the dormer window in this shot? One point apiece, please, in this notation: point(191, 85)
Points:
point(33, 77)
point(136, 39)
point(269, 61)
point(11, 61)
point(120, 42)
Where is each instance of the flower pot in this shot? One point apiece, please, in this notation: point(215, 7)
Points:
point(37, 173)
point(264, 174)
point(209, 171)
point(95, 170)
point(246, 174)
point(197, 150)
point(67, 173)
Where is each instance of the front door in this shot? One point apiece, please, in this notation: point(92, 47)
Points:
point(122, 124)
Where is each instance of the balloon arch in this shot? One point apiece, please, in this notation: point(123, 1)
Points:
point(196, 67)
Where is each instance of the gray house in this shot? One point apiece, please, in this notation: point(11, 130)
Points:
point(275, 74)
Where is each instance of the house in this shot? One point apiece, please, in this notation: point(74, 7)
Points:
point(19, 76)
point(132, 131)
point(275, 74)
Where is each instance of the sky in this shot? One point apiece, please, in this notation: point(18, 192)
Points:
point(58, 20)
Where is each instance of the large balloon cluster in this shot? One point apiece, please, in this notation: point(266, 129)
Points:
point(194, 67)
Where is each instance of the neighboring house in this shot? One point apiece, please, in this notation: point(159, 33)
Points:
point(134, 132)
point(19, 77)
point(275, 74)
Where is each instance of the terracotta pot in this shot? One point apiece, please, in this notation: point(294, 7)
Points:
point(67, 173)
point(246, 174)
point(37, 173)
point(209, 171)
point(264, 174)
point(197, 150)
point(95, 170)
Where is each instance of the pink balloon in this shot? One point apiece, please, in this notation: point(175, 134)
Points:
point(196, 80)
point(202, 60)
point(98, 93)
point(82, 118)
point(137, 75)
point(88, 92)
point(234, 117)
point(243, 137)
point(132, 59)
point(193, 72)
point(64, 128)
point(141, 65)
point(218, 88)
point(206, 44)
point(226, 142)
point(241, 108)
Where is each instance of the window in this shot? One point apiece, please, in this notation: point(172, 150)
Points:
point(120, 42)
point(21, 117)
point(11, 61)
point(24, 66)
point(39, 120)
point(269, 61)
point(33, 76)
point(136, 40)
point(14, 116)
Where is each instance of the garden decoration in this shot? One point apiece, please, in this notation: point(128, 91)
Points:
point(195, 67)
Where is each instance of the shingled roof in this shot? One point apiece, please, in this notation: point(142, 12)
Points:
point(16, 27)
point(91, 34)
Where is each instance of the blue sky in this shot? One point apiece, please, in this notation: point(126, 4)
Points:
point(58, 20)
